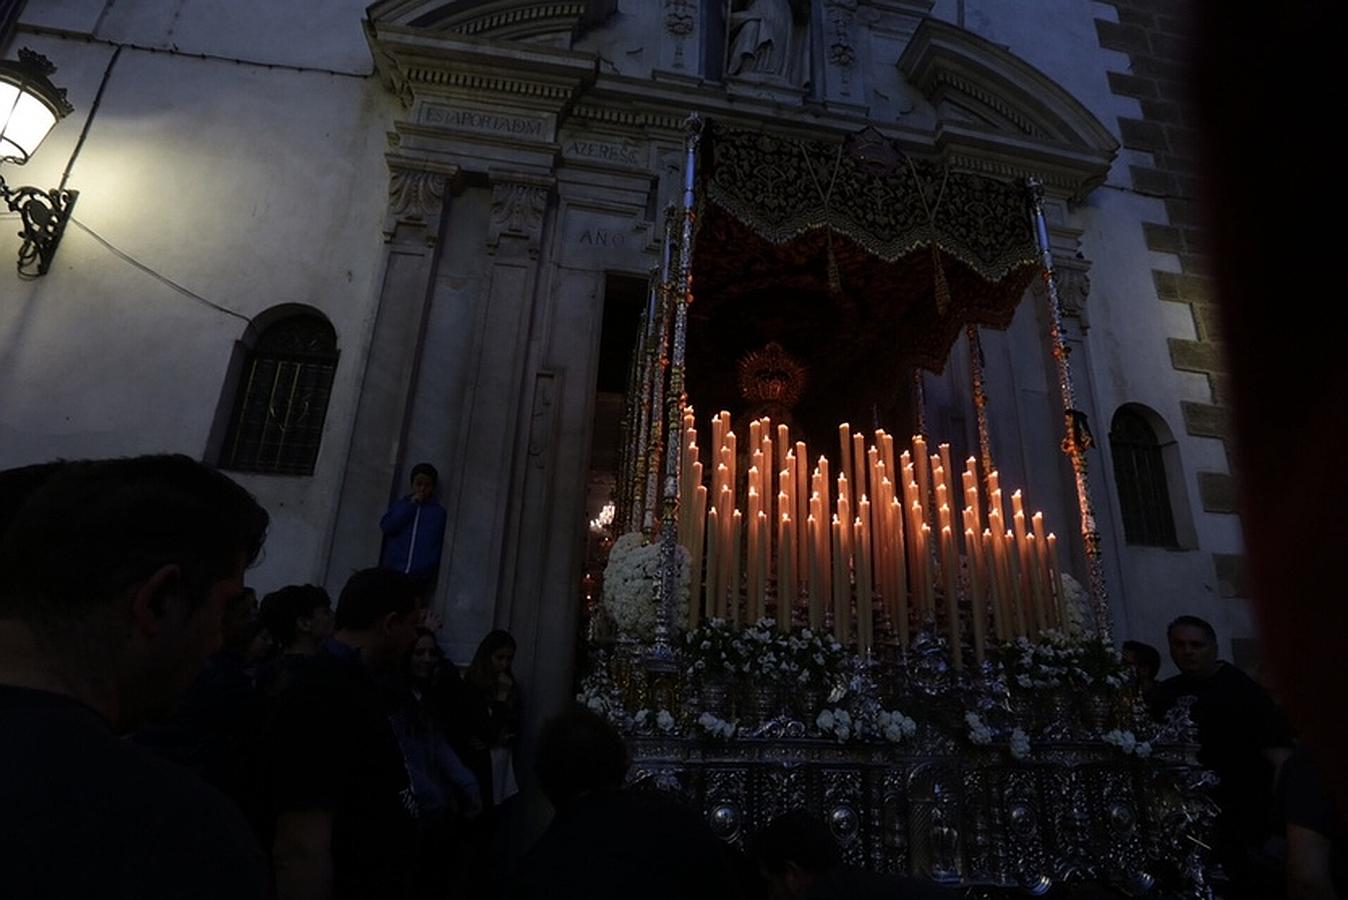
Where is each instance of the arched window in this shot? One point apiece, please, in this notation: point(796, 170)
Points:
point(1139, 473)
point(282, 398)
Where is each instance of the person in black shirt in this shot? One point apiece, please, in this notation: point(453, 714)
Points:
point(1242, 737)
point(608, 842)
point(1317, 856)
point(113, 578)
point(799, 859)
point(346, 824)
point(213, 727)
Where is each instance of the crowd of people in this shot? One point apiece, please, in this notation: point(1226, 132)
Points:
point(165, 734)
point(1277, 830)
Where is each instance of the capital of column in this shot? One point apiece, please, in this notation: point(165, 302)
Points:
point(416, 196)
point(519, 201)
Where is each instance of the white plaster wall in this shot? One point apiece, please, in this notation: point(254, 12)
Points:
point(249, 185)
point(321, 34)
point(1129, 325)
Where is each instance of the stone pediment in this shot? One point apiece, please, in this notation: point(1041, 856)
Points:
point(991, 105)
point(555, 22)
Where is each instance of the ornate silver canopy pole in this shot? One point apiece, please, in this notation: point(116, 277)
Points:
point(654, 410)
point(636, 413)
point(1078, 436)
point(980, 399)
point(662, 653)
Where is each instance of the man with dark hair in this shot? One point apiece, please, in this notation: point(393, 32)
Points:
point(608, 842)
point(579, 753)
point(346, 824)
point(299, 617)
point(113, 578)
point(1243, 738)
point(414, 530)
point(798, 857)
point(1145, 661)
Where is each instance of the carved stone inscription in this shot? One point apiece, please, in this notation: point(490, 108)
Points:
point(606, 151)
point(486, 122)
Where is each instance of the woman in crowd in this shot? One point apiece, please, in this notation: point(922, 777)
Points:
point(493, 701)
point(447, 791)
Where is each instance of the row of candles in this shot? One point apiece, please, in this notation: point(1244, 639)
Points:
point(880, 531)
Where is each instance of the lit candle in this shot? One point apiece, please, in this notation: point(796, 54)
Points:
point(952, 595)
point(713, 552)
point(864, 612)
point(920, 560)
point(1057, 579)
point(1035, 558)
point(736, 524)
point(900, 571)
point(977, 606)
point(732, 461)
point(859, 465)
point(845, 516)
point(718, 424)
point(864, 553)
point(944, 451)
point(1026, 581)
point(923, 467)
point(845, 445)
point(786, 578)
point(841, 591)
point(752, 583)
point(801, 495)
point(928, 587)
point(764, 551)
point(816, 607)
point(723, 535)
point(994, 587)
point(1043, 581)
point(887, 451)
point(1015, 576)
point(695, 561)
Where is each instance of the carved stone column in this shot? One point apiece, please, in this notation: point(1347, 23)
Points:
point(373, 473)
point(502, 416)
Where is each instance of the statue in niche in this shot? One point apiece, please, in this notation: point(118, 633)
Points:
point(770, 39)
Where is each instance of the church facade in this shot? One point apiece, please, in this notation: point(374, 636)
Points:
point(318, 243)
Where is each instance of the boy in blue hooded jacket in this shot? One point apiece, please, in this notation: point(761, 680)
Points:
point(414, 530)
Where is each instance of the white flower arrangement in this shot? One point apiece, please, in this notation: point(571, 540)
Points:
point(814, 658)
point(1019, 744)
point(835, 722)
point(630, 585)
point(716, 727)
point(663, 720)
point(979, 732)
point(894, 726)
point(1060, 659)
point(1076, 606)
point(713, 649)
point(1128, 743)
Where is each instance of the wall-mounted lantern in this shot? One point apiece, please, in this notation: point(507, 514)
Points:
point(29, 106)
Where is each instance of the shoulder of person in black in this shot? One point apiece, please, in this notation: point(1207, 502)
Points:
point(331, 747)
point(846, 883)
point(1227, 696)
point(604, 843)
point(86, 814)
